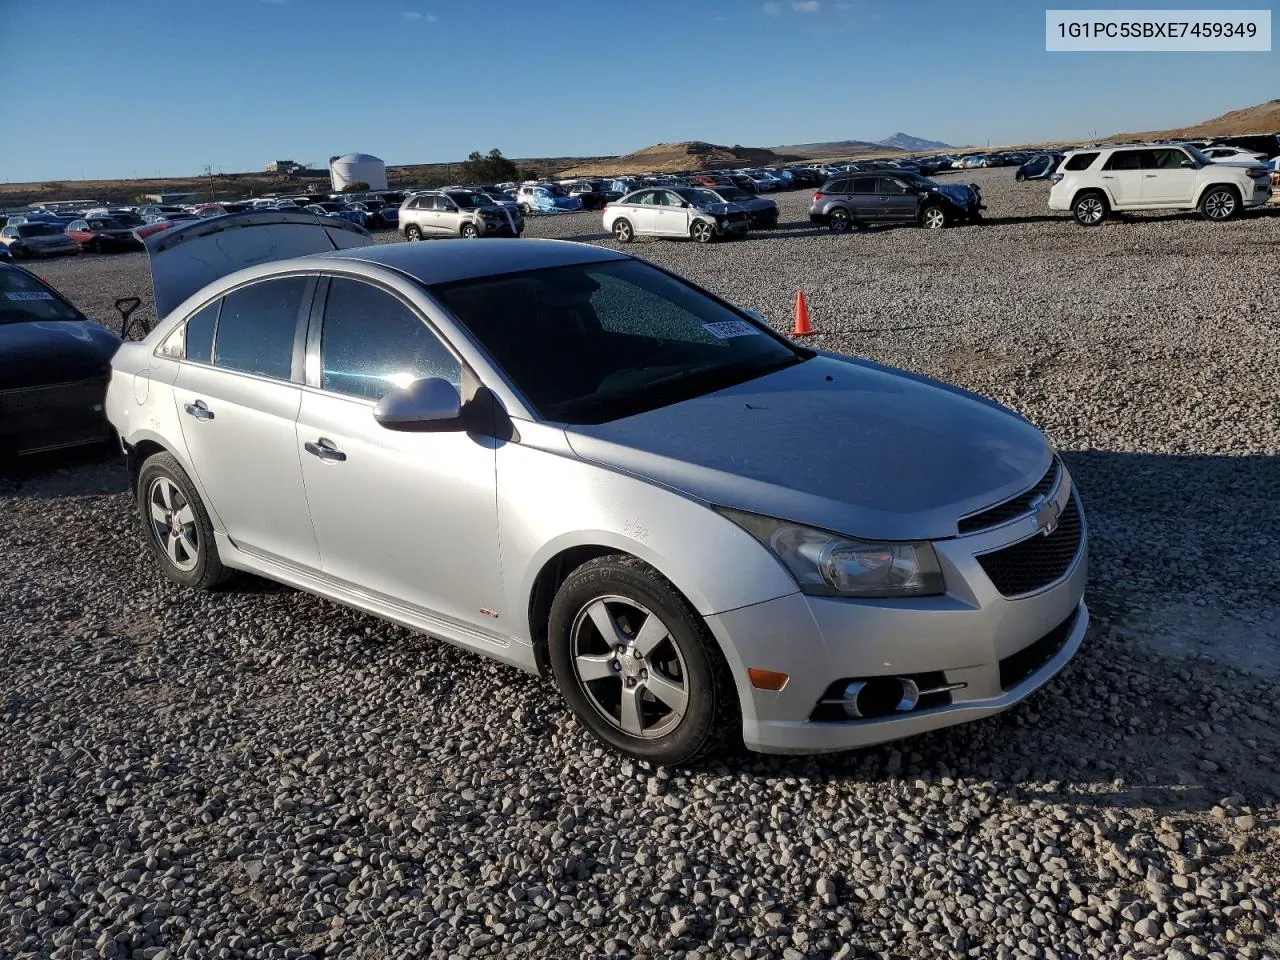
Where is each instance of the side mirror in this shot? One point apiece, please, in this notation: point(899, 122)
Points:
point(1189, 163)
point(429, 405)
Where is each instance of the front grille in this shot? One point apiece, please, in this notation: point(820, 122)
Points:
point(1038, 561)
point(1013, 508)
point(1017, 667)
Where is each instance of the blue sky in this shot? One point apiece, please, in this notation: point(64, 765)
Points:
point(125, 88)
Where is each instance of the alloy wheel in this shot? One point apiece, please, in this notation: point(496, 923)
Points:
point(622, 231)
point(934, 218)
point(1089, 210)
point(1219, 205)
point(173, 524)
point(629, 667)
point(702, 231)
point(839, 222)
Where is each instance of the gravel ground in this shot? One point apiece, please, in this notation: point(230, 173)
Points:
point(259, 773)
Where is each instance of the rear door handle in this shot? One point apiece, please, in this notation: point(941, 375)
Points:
point(324, 449)
point(1105, 177)
point(1150, 176)
point(198, 410)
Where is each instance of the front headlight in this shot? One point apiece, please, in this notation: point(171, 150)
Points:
point(827, 564)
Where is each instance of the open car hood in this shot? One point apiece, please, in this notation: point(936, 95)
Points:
point(194, 253)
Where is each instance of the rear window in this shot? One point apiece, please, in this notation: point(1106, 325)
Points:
point(1080, 161)
point(24, 299)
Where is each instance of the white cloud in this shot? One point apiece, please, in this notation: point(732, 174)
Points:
point(772, 9)
point(805, 6)
point(415, 16)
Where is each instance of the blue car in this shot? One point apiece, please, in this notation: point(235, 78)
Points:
point(546, 198)
point(330, 209)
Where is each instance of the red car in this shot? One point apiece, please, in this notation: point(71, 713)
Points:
point(103, 234)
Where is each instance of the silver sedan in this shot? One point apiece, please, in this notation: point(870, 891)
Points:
point(580, 464)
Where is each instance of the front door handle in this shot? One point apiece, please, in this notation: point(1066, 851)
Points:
point(198, 410)
point(324, 449)
point(1150, 176)
point(1105, 177)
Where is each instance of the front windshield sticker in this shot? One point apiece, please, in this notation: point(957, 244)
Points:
point(30, 296)
point(725, 329)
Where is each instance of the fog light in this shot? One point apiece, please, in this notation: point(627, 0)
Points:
point(880, 696)
point(767, 679)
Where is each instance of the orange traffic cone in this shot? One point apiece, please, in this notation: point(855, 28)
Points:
point(802, 328)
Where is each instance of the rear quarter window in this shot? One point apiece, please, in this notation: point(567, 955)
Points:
point(1080, 161)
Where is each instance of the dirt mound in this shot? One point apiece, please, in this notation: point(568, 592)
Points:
point(1263, 118)
point(685, 155)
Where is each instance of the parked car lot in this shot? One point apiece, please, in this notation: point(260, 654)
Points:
point(310, 763)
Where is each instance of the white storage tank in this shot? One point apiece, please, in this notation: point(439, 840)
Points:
point(357, 168)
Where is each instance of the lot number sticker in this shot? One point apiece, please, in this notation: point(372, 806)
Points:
point(730, 328)
point(40, 295)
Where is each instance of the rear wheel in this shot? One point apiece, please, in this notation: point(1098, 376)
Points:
point(637, 665)
point(1090, 208)
point(1219, 203)
point(176, 525)
point(413, 232)
point(839, 221)
point(622, 231)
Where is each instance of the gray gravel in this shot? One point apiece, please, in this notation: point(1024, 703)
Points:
point(259, 773)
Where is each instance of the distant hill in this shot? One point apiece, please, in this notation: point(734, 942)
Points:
point(905, 141)
point(685, 155)
point(1264, 118)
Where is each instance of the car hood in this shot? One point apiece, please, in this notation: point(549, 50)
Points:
point(841, 444)
point(194, 253)
point(756, 203)
point(720, 209)
point(53, 351)
point(959, 193)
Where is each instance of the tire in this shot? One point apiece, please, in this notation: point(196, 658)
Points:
point(623, 594)
point(933, 217)
point(186, 554)
point(95, 246)
point(1090, 208)
point(623, 232)
point(770, 222)
point(839, 221)
point(524, 208)
point(413, 232)
point(16, 252)
point(702, 232)
point(1219, 203)
point(1020, 177)
point(469, 231)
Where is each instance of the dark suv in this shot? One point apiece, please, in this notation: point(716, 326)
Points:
point(862, 199)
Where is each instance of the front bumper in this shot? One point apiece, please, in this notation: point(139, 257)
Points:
point(998, 649)
point(53, 417)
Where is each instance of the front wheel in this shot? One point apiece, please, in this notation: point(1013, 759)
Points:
point(524, 209)
point(176, 525)
point(637, 665)
point(933, 218)
point(702, 232)
point(622, 231)
point(469, 231)
point(1020, 177)
point(1219, 203)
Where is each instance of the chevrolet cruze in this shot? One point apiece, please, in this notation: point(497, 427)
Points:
point(583, 465)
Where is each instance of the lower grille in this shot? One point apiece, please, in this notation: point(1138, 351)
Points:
point(1038, 561)
point(1017, 667)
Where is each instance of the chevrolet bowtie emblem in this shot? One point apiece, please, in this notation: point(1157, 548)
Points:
point(1046, 513)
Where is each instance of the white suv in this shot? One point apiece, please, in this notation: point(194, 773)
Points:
point(1094, 182)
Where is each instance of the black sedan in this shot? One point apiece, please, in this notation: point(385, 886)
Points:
point(54, 366)
point(103, 234)
point(762, 212)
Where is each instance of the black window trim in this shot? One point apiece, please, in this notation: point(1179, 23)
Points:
point(312, 379)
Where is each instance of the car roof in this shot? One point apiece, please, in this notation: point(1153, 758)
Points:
point(445, 261)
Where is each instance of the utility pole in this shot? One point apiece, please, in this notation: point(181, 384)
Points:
point(208, 172)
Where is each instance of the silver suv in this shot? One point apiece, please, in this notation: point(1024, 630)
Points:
point(457, 213)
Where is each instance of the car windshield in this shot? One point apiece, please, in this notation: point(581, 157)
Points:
point(556, 191)
point(37, 229)
point(24, 299)
point(595, 342)
point(1200, 158)
point(700, 196)
point(915, 179)
point(108, 224)
point(469, 201)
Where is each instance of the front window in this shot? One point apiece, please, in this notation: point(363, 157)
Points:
point(24, 299)
point(1196, 155)
point(371, 343)
point(595, 342)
